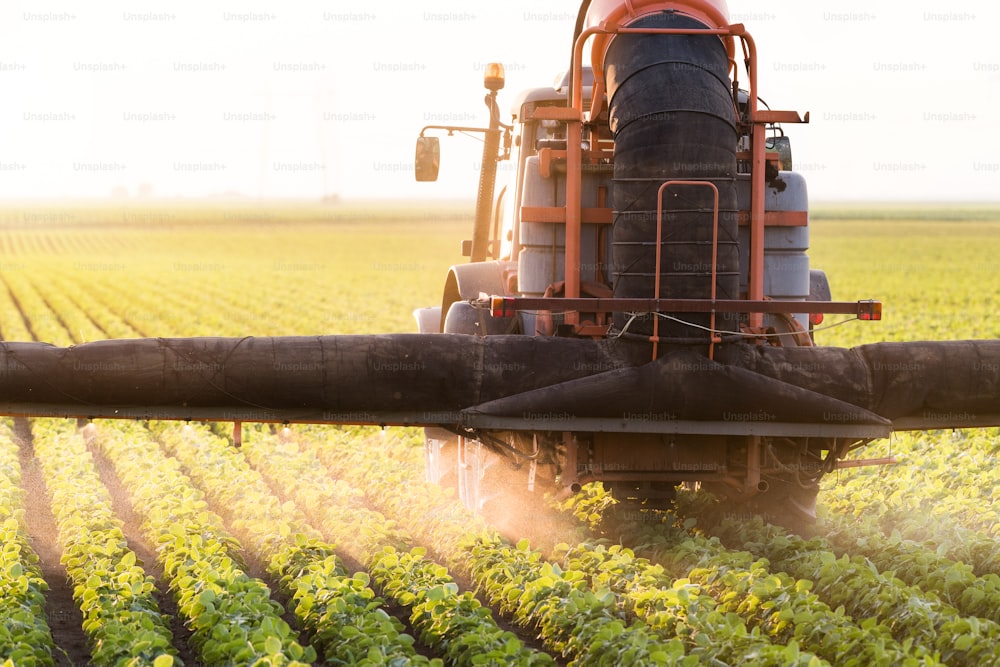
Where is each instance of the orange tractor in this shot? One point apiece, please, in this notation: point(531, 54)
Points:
point(653, 205)
point(638, 310)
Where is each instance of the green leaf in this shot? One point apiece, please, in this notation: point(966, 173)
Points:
point(437, 593)
point(964, 642)
point(272, 646)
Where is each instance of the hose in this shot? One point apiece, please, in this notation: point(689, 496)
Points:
point(672, 115)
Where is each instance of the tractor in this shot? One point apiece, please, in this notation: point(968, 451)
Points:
point(638, 309)
point(650, 173)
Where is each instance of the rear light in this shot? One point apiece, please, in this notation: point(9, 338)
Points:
point(869, 310)
point(502, 307)
point(815, 319)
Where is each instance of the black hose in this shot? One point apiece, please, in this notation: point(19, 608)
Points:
point(672, 115)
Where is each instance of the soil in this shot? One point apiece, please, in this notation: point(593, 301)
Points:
point(145, 555)
point(63, 616)
point(62, 613)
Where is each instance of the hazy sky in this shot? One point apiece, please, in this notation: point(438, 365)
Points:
point(312, 97)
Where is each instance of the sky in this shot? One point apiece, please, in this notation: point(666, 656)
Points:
point(325, 97)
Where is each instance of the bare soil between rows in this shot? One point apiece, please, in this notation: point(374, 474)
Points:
point(62, 614)
point(61, 610)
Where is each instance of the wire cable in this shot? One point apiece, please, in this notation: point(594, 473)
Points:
point(720, 332)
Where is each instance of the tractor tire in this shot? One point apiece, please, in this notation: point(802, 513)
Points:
point(484, 477)
point(494, 485)
point(787, 502)
point(441, 457)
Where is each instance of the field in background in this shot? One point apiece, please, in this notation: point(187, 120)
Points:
point(221, 269)
point(912, 546)
point(361, 268)
point(934, 269)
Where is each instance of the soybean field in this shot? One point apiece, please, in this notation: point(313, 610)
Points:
point(163, 543)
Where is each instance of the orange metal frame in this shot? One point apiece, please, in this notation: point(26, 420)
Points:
point(715, 257)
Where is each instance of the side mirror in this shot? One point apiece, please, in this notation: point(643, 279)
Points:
point(427, 158)
point(781, 145)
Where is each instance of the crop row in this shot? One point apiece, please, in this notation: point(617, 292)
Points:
point(739, 596)
point(12, 326)
point(24, 244)
point(185, 293)
point(547, 589)
point(781, 607)
point(774, 601)
point(452, 622)
point(932, 477)
point(25, 636)
point(162, 304)
point(60, 288)
point(45, 323)
point(231, 614)
point(933, 498)
point(79, 324)
point(857, 585)
point(573, 619)
point(684, 607)
point(173, 282)
point(121, 616)
point(138, 308)
point(341, 613)
point(954, 582)
point(436, 518)
point(168, 302)
point(592, 624)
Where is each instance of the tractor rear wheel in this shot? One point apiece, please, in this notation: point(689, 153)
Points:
point(486, 479)
point(441, 457)
point(787, 501)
